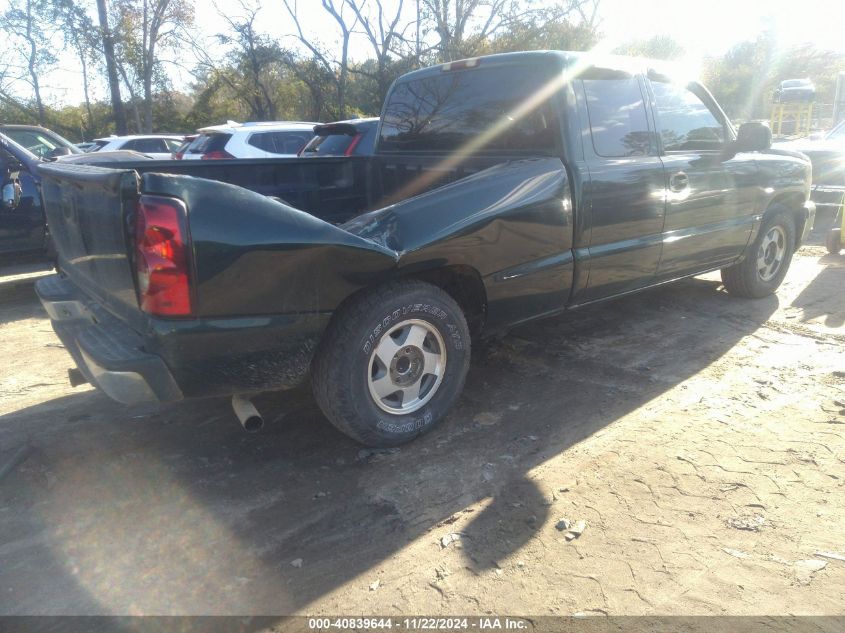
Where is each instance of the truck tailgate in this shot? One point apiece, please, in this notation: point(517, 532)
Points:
point(87, 212)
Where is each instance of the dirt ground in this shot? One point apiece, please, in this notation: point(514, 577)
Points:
point(699, 436)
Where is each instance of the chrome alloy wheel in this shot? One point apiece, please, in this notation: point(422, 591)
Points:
point(406, 367)
point(771, 252)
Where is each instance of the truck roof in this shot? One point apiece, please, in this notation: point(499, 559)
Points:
point(554, 59)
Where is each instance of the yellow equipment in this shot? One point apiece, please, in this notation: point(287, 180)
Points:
point(800, 111)
point(834, 236)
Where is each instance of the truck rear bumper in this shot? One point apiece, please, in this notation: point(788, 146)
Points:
point(107, 351)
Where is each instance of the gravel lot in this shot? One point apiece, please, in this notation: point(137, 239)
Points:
point(699, 437)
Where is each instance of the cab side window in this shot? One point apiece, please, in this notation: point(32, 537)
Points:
point(618, 122)
point(684, 121)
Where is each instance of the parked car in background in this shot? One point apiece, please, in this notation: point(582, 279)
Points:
point(86, 146)
point(23, 229)
point(795, 90)
point(39, 140)
point(266, 139)
point(828, 157)
point(180, 151)
point(158, 146)
point(356, 137)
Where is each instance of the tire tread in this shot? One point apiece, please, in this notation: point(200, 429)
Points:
point(331, 395)
point(741, 279)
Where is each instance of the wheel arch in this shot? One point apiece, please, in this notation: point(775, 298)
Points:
point(461, 282)
point(793, 202)
point(464, 284)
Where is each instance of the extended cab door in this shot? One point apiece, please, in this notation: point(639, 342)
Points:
point(622, 205)
point(710, 196)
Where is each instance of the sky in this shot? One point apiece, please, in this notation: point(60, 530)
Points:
point(702, 28)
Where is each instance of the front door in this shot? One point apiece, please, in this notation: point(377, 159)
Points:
point(710, 194)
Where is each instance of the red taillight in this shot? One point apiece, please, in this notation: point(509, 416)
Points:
point(353, 145)
point(162, 258)
point(216, 155)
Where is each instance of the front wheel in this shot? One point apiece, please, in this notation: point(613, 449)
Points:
point(768, 259)
point(392, 363)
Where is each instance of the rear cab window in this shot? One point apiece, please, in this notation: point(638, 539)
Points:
point(476, 110)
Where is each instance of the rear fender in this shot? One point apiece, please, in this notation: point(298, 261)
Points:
point(254, 255)
point(512, 223)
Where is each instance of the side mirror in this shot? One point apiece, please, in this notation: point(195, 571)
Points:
point(11, 195)
point(753, 137)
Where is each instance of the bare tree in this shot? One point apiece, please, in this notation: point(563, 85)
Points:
point(7, 92)
point(27, 24)
point(385, 36)
point(111, 67)
point(338, 68)
point(144, 27)
point(79, 34)
point(251, 62)
point(462, 25)
point(256, 53)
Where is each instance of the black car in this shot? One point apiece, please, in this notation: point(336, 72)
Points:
point(828, 157)
point(23, 230)
point(356, 137)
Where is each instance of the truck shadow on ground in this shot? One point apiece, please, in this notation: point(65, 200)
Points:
point(18, 303)
point(174, 510)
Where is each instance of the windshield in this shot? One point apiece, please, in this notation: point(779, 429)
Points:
point(40, 142)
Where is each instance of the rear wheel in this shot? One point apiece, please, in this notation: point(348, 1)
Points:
point(768, 259)
point(392, 363)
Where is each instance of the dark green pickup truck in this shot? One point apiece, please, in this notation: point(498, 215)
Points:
point(503, 189)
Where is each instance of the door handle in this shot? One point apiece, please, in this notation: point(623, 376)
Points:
point(678, 182)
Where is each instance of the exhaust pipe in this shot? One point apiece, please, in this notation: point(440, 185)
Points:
point(248, 415)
